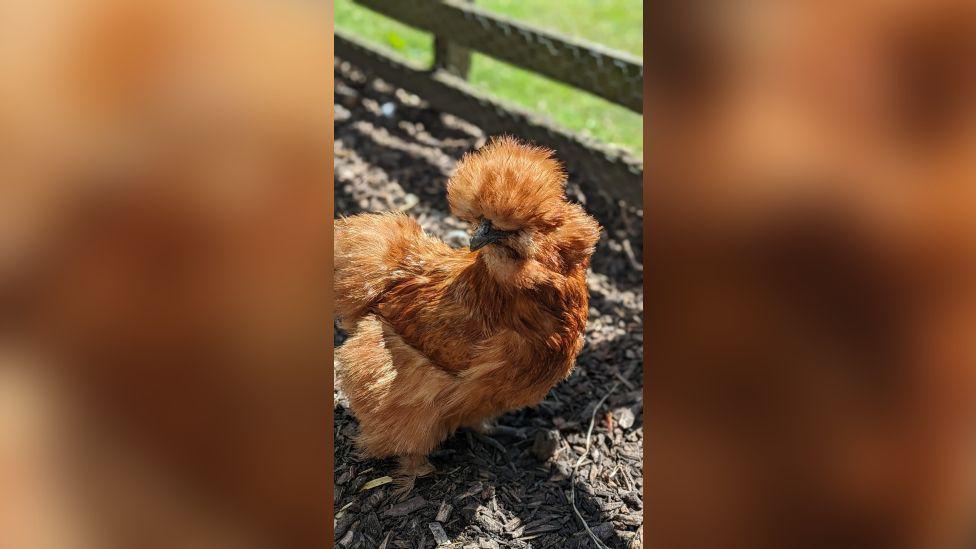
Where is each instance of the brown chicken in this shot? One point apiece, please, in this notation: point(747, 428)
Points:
point(443, 338)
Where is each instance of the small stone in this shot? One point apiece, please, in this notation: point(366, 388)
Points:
point(625, 417)
point(545, 444)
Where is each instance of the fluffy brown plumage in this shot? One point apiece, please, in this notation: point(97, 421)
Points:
point(443, 338)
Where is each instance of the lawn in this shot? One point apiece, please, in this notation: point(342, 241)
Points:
point(614, 23)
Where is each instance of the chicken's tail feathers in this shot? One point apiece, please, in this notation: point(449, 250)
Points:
point(369, 250)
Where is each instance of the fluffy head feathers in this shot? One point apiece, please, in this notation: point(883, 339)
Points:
point(512, 184)
point(518, 191)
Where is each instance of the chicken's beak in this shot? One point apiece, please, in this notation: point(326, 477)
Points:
point(484, 235)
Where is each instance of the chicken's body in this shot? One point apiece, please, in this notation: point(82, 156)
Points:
point(443, 338)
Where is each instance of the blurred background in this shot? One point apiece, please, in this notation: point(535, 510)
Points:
point(164, 268)
point(812, 242)
point(164, 264)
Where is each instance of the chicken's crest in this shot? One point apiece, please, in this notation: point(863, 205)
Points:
point(514, 185)
point(513, 194)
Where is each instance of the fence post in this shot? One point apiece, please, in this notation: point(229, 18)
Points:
point(451, 57)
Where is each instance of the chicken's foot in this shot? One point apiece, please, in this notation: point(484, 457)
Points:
point(411, 467)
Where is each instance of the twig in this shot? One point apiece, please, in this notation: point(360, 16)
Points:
point(572, 487)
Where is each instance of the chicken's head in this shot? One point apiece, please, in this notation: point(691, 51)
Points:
point(513, 195)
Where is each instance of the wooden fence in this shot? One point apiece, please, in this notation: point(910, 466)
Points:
point(458, 28)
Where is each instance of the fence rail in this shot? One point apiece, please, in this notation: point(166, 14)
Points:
point(459, 27)
point(614, 76)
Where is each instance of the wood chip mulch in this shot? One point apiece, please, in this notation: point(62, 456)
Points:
point(512, 488)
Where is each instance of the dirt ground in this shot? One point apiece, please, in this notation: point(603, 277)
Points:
point(514, 487)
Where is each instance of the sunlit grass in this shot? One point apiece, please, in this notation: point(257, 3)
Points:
point(613, 23)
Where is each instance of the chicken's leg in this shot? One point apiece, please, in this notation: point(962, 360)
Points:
point(411, 467)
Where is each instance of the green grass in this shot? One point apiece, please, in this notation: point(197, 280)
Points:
point(614, 23)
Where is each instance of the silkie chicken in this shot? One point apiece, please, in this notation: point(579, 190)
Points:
point(443, 338)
